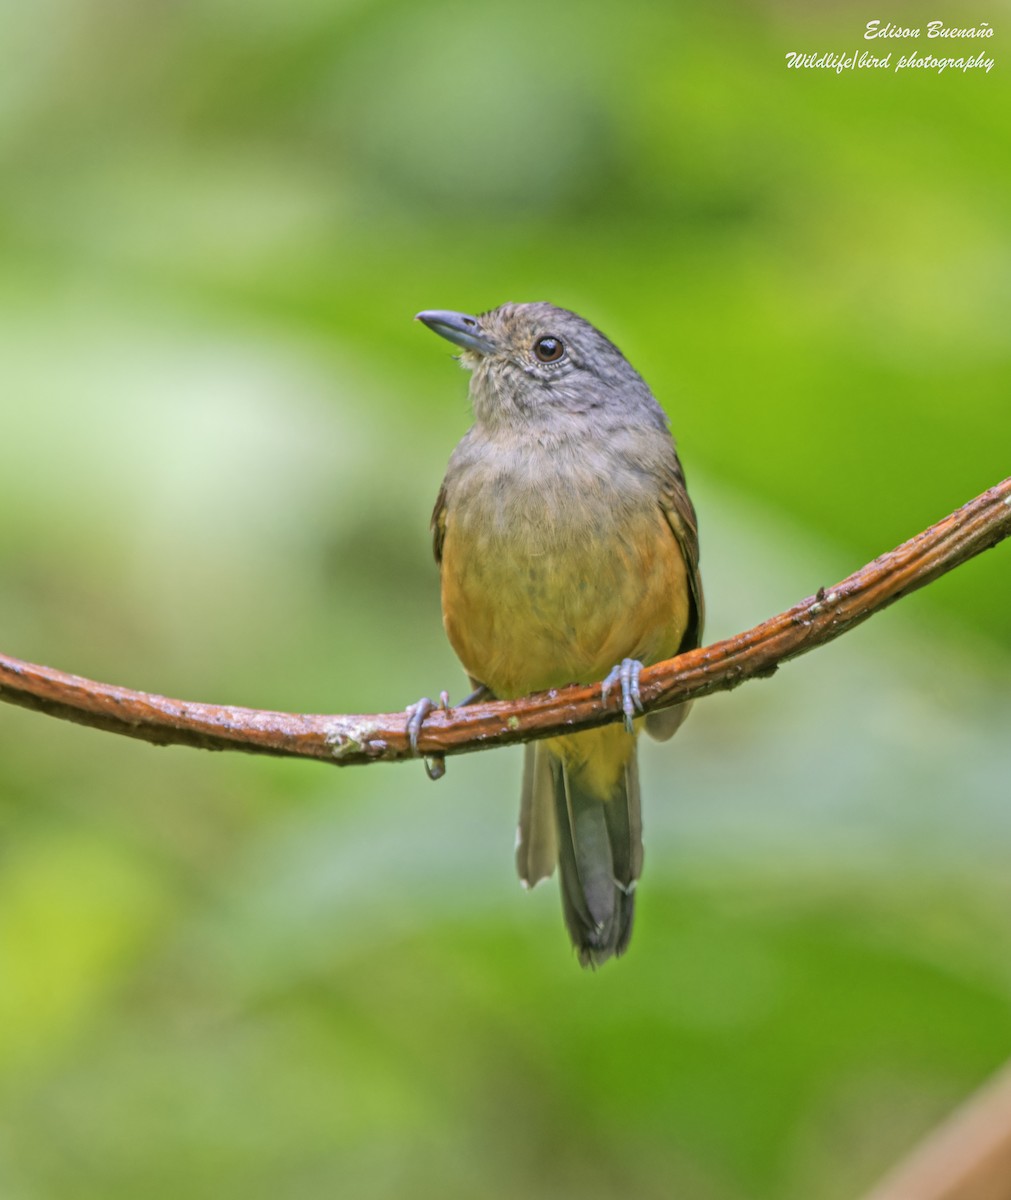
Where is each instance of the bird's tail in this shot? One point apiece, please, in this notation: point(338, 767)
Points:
point(580, 808)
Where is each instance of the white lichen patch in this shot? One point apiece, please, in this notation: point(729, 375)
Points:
point(346, 737)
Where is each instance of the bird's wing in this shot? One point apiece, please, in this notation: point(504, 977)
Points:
point(439, 524)
point(680, 514)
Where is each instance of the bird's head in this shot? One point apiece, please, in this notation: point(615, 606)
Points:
point(536, 361)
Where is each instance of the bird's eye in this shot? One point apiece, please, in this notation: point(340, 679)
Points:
point(549, 349)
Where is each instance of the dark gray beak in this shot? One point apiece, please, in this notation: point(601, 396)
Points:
point(458, 328)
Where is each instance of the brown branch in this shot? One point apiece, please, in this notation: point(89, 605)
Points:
point(967, 1157)
point(347, 740)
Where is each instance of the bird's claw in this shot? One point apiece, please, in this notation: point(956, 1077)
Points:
point(627, 674)
point(435, 764)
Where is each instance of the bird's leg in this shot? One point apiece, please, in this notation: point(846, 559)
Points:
point(481, 692)
point(435, 764)
point(626, 673)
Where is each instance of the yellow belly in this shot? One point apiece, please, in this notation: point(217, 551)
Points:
point(563, 605)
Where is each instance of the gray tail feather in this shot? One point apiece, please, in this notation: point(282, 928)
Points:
point(537, 836)
point(598, 843)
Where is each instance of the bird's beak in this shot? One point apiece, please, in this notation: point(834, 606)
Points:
point(458, 328)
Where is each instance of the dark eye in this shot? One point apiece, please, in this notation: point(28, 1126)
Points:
point(549, 349)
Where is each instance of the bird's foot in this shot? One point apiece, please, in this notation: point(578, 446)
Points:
point(435, 764)
point(626, 673)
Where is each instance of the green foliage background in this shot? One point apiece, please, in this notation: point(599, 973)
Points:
point(221, 436)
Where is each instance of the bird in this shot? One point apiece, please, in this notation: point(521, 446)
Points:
point(568, 553)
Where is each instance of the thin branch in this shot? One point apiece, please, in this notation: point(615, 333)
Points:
point(347, 740)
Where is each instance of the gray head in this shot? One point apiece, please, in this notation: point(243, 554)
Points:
point(533, 362)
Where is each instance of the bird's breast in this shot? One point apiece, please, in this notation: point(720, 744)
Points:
point(555, 566)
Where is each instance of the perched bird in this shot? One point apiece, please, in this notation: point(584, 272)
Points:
point(568, 550)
